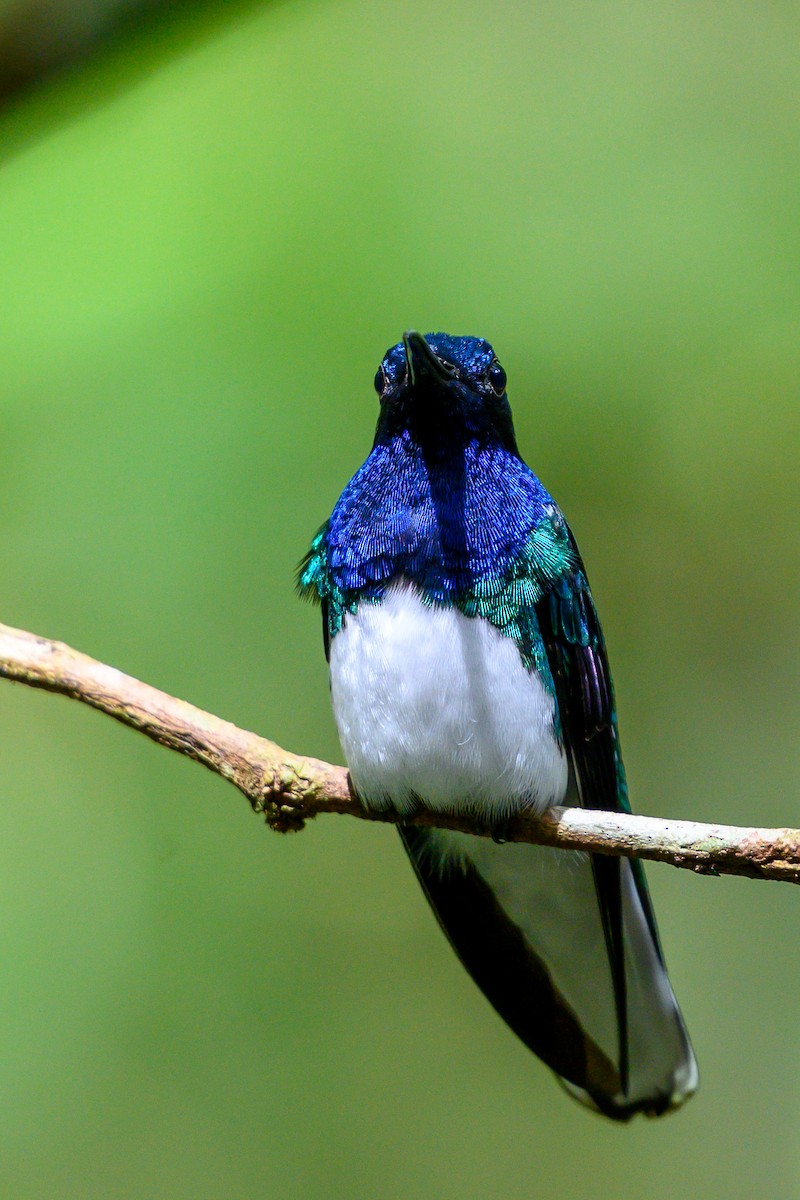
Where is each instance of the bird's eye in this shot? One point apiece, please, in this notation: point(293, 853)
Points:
point(496, 377)
point(381, 380)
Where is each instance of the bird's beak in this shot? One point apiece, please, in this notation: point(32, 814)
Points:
point(422, 362)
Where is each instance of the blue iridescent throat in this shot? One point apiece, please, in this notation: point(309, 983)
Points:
point(466, 521)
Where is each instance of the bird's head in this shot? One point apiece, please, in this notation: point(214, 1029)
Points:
point(443, 389)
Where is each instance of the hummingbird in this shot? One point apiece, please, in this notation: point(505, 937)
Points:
point(469, 676)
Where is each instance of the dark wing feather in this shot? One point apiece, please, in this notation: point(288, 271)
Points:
point(326, 633)
point(577, 655)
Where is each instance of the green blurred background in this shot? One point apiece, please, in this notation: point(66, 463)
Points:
point(209, 235)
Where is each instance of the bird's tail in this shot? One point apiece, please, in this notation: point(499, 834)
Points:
point(526, 923)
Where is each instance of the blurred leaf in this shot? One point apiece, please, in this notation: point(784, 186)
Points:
point(39, 38)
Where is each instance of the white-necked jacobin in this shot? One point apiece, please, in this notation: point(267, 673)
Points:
point(469, 675)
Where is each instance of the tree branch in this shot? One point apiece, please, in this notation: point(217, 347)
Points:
point(289, 790)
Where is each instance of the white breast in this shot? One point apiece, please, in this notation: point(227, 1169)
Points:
point(434, 705)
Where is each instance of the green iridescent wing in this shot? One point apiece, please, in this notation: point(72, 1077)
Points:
point(314, 582)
